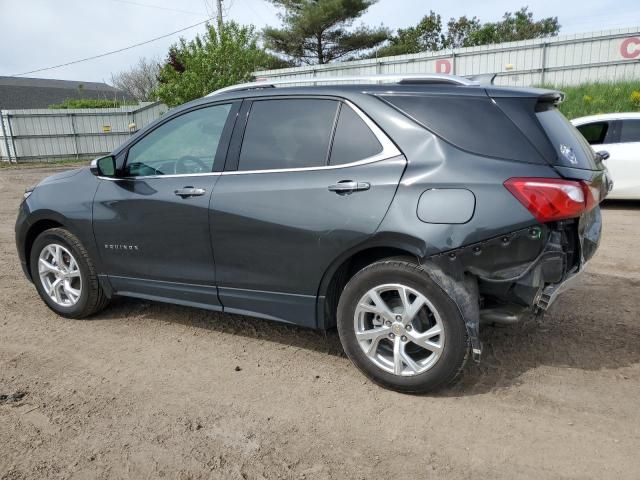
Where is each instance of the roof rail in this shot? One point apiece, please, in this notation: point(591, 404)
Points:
point(426, 78)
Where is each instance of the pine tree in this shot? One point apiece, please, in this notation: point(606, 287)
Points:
point(317, 31)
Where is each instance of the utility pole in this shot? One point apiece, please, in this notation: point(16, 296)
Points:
point(219, 16)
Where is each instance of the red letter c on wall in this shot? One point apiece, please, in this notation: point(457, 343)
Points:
point(630, 48)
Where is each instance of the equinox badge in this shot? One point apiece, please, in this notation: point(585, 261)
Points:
point(118, 246)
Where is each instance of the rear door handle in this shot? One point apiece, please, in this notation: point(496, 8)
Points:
point(190, 192)
point(348, 186)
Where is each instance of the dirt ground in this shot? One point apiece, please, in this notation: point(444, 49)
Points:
point(147, 390)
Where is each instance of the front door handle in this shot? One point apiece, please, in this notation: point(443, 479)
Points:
point(186, 192)
point(348, 186)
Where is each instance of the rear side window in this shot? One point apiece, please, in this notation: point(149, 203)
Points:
point(594, 133)
point(353, 140)
point(630, 131)
point(572, 149)
point(474, 124)
point(287, 133)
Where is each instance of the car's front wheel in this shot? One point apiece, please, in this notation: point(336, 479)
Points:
point(401, 329)
point(64, 275)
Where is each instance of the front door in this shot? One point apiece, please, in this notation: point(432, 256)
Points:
point(151, 222)
point(297, 196)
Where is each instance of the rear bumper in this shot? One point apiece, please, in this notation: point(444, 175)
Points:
point(550, 293)
point(563, 269)
point(528, 268)
point(503, 279)
point(589, 232)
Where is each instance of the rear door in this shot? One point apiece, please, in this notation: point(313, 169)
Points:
point(306, 180)
point(624, 162)
point(621, 138)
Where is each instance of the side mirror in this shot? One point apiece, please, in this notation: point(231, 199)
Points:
point(603, 154)
point(104, 166)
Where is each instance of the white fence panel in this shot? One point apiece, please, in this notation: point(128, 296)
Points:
point(566, 60)
point(44, 134)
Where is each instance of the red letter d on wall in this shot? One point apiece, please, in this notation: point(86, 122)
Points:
point(443, 66)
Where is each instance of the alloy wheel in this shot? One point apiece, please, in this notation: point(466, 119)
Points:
point(399, 329)
point(60, 275)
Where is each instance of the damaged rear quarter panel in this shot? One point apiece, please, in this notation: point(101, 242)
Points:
point(432, 163)
point(506, 233)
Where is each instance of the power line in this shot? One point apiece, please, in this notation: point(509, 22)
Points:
point(209, 10)
point(159, 7)
point(111, 52)
point(227, 9)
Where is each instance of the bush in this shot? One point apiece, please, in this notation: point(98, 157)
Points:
point(595, 98)
point(214, 60)
point(92, 103)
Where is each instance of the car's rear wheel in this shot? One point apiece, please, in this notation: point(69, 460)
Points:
point(64, 275)
point(401, 329)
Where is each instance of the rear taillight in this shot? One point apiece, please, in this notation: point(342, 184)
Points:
point(550, 199)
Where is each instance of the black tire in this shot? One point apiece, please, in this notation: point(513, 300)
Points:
point(92, 298)
point(455, 352)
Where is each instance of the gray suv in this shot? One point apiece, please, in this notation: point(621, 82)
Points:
point(404, 212)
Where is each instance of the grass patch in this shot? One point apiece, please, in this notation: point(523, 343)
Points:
point(66, 162)
point(596, 98)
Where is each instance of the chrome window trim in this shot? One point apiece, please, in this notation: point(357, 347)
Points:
point(389, 150)
point(376, 158)
point(171, 175)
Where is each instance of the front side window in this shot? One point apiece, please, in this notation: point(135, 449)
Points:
point(594, 133)
point(184, 145)
point(287, 133)
point(630, 131)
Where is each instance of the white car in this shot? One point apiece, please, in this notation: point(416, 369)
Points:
point(618, 134)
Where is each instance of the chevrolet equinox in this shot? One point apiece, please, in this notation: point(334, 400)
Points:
point(405, 211)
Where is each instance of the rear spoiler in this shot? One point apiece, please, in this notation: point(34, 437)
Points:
point(553, 97)
point(549, 100)
point(482, 78)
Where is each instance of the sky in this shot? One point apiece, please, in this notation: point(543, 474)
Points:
point(36, 34)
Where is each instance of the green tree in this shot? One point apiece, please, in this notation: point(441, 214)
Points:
point(459, 31)
point(211, 61)
point(317, 31)
point(429, 35)
point(513, 27)
point(426, 36)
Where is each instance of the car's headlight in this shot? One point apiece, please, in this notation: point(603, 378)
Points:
point(28, 192)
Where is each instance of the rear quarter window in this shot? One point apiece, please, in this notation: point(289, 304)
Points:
point(353, 139)
point(571, 148)
point(474, 124)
